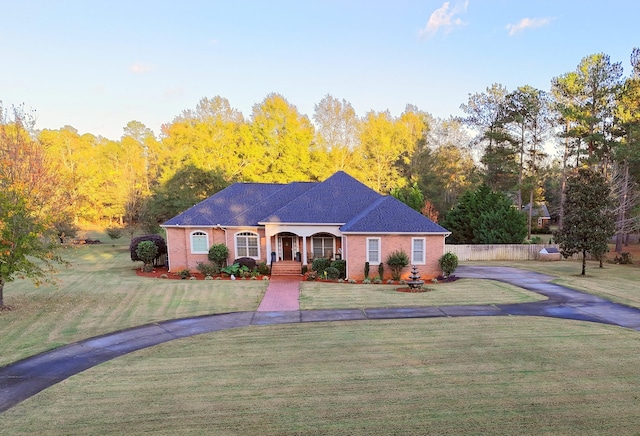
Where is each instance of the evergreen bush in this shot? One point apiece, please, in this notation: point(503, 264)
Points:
point(320, 265)
point(397, 261)
point(147, 251)
point(218, 254)
point(340, 265)
point(448, 263)
point(208, 268)
point(156, 239)
point(332, 273)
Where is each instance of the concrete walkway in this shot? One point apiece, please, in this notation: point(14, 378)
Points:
point(20, 380)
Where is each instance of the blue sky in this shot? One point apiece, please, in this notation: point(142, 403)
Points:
point(96, 65)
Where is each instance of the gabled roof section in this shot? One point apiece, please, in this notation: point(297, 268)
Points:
point(334, 201)
point(240, 204)
point(389, 215)
point(539, 210)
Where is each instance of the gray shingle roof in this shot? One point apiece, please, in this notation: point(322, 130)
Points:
point(389, 215)
point(539, 210)
point(240, 204)
point(340, 199)
point(336, 201)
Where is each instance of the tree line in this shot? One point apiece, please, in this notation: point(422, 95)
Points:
point(523, 143)
point(509, 148)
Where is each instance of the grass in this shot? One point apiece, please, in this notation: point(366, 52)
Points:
point(618, 283)
point(101, 293)
point(319, 295)
point(502, 375)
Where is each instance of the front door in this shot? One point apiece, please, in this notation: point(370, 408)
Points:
point(287, 248)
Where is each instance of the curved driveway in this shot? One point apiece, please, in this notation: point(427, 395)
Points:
point(20, 380)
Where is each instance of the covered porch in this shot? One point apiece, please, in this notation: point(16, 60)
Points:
point(302, 244)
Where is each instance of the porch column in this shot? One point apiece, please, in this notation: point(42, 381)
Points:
point(304, 250)
point(268, 247)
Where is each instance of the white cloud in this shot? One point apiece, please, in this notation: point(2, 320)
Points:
point(527, 23)
point(444, 19)
point(140, 68)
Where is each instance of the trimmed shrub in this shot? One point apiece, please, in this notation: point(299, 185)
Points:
point(208, 268)
point(263, 269)
point(448, 263)
point(340, 265)
point(366, 270)
point(218, 254)
point(156, 239)
point(397, 261)
point(147, 251)
point(381, 271)
point(246, 261)
point(114, 232)
point(320, 265)
point(332, 273)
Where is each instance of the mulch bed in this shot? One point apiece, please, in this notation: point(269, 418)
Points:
point(158, 273)
point(161, 271)
point(413, 290)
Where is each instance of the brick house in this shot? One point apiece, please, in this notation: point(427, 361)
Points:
point(291, 224)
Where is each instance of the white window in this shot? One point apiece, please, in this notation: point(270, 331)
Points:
point(373, 250)
point(322, 246)
point(418, 256)
point(199, 243)
point(247, 245)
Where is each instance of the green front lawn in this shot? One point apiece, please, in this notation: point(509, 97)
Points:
point(497, 375)
point(100, 294)
point(322, 295)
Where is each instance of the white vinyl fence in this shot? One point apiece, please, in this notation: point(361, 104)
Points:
point(497, 251)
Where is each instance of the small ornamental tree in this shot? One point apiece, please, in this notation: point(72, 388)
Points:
point(218, 254)
point(448, 263)
point(28, 245)
point(156, 239)
point(588, 222)
point(147, 251)
point(397, 261)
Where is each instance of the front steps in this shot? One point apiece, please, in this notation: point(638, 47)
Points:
point(286, 268)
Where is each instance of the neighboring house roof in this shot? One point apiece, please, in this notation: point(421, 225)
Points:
point(539, 210)
point(340, 200)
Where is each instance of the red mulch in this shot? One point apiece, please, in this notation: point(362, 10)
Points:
point(413, 290)
point(159, 271)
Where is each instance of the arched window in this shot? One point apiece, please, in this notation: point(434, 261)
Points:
point(247, 245)
point(199, 242)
